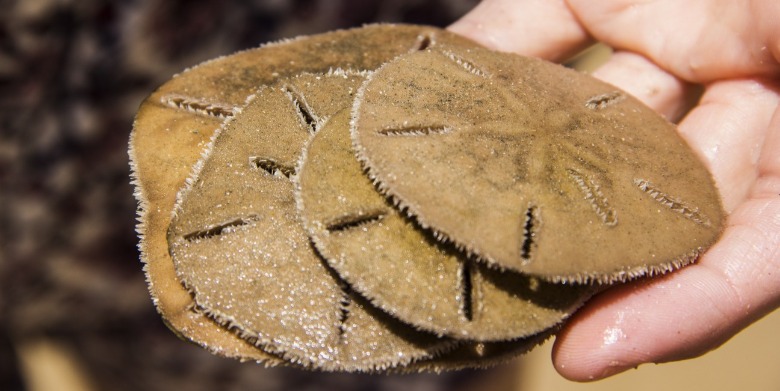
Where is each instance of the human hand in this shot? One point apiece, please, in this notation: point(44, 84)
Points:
point(663, 50)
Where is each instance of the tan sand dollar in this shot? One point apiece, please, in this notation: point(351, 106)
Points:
point(174, 124)
point(238, 246)
point(534, 167)
point(403, 269)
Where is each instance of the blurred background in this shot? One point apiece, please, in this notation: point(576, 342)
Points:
point(74, 309)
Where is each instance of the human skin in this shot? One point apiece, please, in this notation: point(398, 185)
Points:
point(665, 51)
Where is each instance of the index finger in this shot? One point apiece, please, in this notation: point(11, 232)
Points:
point(545, 29)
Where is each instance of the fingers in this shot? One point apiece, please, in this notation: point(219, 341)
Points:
point(699, 40)
point(729, 129)
point(683, 314)
point(638, 76)
point(661, 46)
point(768, 184)
point(640, 323)
point(539, 28)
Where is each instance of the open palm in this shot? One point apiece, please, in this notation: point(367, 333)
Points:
point(665, 50)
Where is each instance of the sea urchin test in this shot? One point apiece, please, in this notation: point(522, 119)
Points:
point(238, 247)
point(534, 167)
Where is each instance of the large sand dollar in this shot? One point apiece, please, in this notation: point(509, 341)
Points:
point(534, 167)
point(238, 246)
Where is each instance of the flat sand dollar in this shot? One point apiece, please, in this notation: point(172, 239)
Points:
point(534, 167)
point(403, 269)
point(175, 123)
point(238, 246)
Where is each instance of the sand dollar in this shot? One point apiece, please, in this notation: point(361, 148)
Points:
point(404, 269)
point(534, 167)
point(238, 246)
point(175, 123)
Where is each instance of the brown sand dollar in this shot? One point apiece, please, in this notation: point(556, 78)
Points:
point(175, 123)
point(238, 246)
point(403, 269)
point(534, 167)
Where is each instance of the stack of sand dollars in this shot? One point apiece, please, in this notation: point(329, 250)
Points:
point(395, 198)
